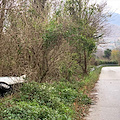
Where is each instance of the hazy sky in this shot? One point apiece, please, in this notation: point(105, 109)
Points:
point(113, 5)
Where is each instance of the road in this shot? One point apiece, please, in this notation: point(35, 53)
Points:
point(107, 106)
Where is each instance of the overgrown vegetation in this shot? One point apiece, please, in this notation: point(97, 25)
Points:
point(61, 100)
point(111, 57)
point(107, 53)
point(45, 44)
point(110, 62)
point(52, 43)
point(115, 55)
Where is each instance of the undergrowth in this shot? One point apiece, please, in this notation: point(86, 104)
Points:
point(61, 100)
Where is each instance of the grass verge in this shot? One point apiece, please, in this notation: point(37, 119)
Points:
point(61, 100)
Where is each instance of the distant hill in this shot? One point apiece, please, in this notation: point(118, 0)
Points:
point(115, 19)
point(112, 39)
point(114, 30)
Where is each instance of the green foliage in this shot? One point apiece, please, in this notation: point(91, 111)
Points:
point(82, 45)
point(90, 80)
point(66, 93)
point(41, 101)
point(32, 111)
point(37, 38)
point(69, 67)
point(84, 99)
point(107, 62)
point(80, 34)
point(52, 33)
point(39, 35)
point(48, 101)
point(107, 53)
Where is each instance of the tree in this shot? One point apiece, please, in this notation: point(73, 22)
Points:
point(107, 53)
point(35, 43)
point(115, 55)
point(85, 29)
point(37, 39)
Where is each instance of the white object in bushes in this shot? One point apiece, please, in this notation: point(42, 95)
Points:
point(13, 80)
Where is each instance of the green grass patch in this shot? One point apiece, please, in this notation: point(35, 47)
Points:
point(56, 101)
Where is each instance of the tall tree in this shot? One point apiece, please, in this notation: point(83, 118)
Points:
point(88, 21)
point(107, 53)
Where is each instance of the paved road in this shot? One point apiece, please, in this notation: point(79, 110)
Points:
point(107, 105)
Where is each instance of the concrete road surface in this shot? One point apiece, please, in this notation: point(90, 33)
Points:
point(107, 105)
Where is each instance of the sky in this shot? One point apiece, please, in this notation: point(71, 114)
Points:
point(112, 5)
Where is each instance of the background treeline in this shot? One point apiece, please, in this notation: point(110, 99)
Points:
point(49, 40)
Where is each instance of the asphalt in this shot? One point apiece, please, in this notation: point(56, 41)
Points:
point(107, 102)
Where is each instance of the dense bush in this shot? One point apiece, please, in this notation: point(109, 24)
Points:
point(107, 62)
point(44, 101)
point(32, 111)
point(36, 40)
point(55, 101)
point(49, 43)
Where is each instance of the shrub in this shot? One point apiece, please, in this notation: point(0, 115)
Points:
point(40, 101)
point(57, 101)
point(32, 111)
point(107, 62)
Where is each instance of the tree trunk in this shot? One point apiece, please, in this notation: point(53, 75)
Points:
point(85, 62)
point(45, 67)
